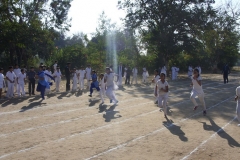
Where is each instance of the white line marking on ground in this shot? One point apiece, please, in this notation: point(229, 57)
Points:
point(204, 142)
point(105, 126)
point(151, 133)
point(75, 119)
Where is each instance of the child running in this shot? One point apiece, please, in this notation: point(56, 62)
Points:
point(42, 83)
point(94, 83)
point(21, 77)
point(154, 81)
point(102, 87)
point(162, 88)
point(110, 85)
point(237, 98)
point(197, 91)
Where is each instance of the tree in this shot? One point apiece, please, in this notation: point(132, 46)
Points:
point(28, 28)
point(167, 27)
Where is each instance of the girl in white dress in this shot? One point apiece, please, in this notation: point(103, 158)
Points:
point(162, 93)
point(197, 91)
point(74, 87)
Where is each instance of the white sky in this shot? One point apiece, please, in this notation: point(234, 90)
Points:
point(85, 14)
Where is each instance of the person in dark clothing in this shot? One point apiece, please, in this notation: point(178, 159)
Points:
point(31, 81)
point(128, 73)
point(68, 74)
point(226, 71)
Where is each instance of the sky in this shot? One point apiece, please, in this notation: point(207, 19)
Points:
point(85, 14)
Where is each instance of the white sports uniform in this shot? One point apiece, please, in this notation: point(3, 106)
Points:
point(16, 71)
point(111, 86)
point(1, 80)
point(57, 75)
point(144, 75)
point(238, 104)
point(164, 70)
point(74, 87)
point(88, 75)
point(20, 78)
point(12, 77)
point(173, 73)
point(156, 78)
point(190, 71)
point(197, 91)
point(81, 78)
point(162, 96)
point(55, 67)
point(135, 72)
point(176, 72)
point(102, 89)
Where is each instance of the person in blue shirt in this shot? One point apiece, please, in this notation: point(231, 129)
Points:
point(94, 83)
point(42, 83)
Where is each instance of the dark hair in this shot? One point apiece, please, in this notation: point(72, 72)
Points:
point(156, 70)
point(22, 70)
point(107, 68)
point(196, 71)
point(10, 67)
point(41, 67)
point(31, 67)
point(1, 69)
point(163, 74)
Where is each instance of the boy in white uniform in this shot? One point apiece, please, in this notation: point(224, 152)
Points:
point(109, 80)
point(154, 81)
point(237, 98)
point(176, 72)
point(1, 82)
point(162, 93)
point(82, 74)
point(144, 75)
point(55, 66)
point(197, 91)
point(57, 75)
point(10, 76)
point(74, 87)
point(135, 72)
point(164, 70)
point(190, 70)
point(21, 82)
point(102, 87)
point(17, 70)
point(49, 72)
point(88, 75)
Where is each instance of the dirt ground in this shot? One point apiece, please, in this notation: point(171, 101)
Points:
point(74, 126)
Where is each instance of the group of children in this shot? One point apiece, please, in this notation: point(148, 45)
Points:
point(105, 84)
point(161, 90)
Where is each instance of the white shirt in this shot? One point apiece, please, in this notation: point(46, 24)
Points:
point(162, 85)
point(163, 69)
point(57, 74)
point(1, 79)
point(17, 71)
point(156, 78)
point(119, 69)
point(134, 71)
point(102, 84)
point(144, 69)
point(55, 66)
point(81, 72)
point(88, 71)
point(21, 78)
point(238, 93)
point(75, 75)
point(11, 75)
point(196, 86)
point(110, 79)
